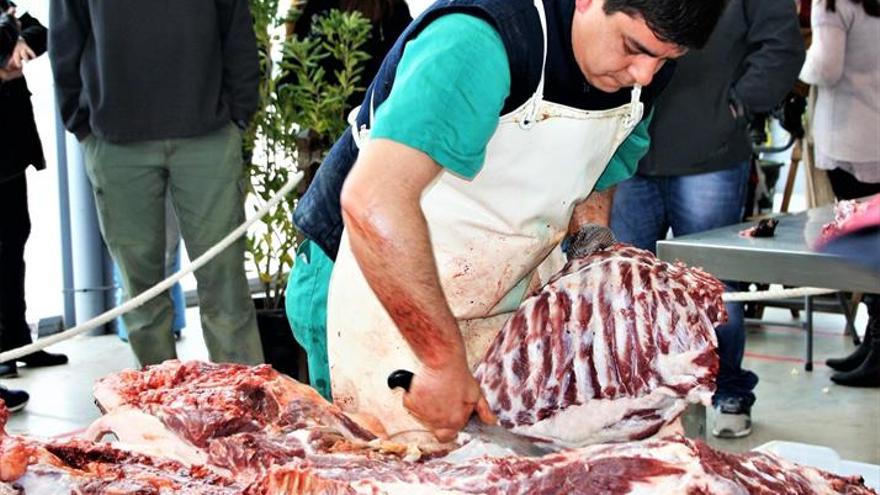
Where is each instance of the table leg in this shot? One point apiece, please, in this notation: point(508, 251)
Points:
point(808, 326)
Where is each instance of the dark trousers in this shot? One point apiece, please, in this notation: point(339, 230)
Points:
point(15, 227)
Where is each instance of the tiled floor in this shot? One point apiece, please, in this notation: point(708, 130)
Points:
point(792, 404)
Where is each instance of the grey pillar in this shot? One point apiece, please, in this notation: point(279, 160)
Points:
point(64, 215)
point(87, 247)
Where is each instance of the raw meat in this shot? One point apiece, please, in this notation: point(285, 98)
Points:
point(849, 216)
point(201, 401)
point(671, 466)
point(236, 419)
point(611, 349)
point(29, 466)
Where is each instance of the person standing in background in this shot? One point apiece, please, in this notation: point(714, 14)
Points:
point(158, 94)
point(844, 66)
point(695, 173)
point(20, 148)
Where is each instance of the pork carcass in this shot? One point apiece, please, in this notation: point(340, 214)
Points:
point(235, 418)
point(672, 465)
point(32, 467)
point(613, 348)
point(651, 467)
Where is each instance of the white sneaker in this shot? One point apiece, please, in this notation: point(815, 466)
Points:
point(733, 419)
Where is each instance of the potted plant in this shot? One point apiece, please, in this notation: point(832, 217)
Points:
point(301, 112)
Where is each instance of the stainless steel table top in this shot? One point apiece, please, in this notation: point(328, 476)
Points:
point(785, 258)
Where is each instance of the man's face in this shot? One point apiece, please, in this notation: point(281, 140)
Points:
point(616, 51)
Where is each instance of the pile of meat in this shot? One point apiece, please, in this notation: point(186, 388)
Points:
point(611, 350)
point(252, 431)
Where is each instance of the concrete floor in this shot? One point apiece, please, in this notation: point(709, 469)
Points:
point(793, 405)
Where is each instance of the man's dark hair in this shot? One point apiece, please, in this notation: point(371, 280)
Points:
point(687, 23)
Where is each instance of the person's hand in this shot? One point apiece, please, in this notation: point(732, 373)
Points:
point(443, 399)
point(20, 54)
point(589, 239)
point(9, 75)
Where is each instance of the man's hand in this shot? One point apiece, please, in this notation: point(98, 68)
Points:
point(9, 75)
point(20, 54)
point(588, 229)
point(443, 399)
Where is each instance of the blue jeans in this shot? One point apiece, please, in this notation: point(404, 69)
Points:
point(645, 208)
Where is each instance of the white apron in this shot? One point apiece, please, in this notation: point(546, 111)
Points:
point(489, 236)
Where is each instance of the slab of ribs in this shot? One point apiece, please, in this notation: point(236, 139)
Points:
point(600, 363)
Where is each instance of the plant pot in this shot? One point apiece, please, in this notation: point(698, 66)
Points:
point(280, 349)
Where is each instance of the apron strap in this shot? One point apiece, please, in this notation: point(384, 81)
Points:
point(361, 134)
point(636, 108)
point(529, 120)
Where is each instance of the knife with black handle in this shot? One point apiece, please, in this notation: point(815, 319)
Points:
point(475, 427)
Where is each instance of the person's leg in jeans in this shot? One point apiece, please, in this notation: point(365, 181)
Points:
point(207, 180)
point(703, 202)
point(638, 215)
point(129, 182)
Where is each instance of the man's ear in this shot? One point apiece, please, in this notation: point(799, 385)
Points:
point(583, 5)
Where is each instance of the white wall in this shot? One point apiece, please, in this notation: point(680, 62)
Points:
point(417, 6)
point(43, 280)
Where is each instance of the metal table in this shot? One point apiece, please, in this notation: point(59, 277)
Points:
point(785, 258)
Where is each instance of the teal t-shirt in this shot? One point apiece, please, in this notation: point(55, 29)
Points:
point(449, 91)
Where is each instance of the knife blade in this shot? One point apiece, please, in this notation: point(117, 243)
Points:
point(495, 434)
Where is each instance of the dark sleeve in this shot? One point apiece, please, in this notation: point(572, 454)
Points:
point(772, 67)
point(8, 35)
point(68, 32)
point(34, 34)
point(241, 66)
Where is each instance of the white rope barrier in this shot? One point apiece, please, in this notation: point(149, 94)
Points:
point(158, 288)
point(763, 295)
point(238, 232)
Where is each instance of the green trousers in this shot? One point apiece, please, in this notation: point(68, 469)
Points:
point(205, 177)
point(306, 307)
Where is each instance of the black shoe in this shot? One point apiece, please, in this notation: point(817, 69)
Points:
point(15, 399)
point(858, 356)
point(8, 370)
point(866, 375)
point(40, 359)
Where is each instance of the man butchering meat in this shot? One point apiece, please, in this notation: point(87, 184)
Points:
point(494, 130)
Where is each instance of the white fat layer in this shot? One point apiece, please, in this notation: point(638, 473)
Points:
point(143, 433)
point(475, 448)
point(601, 420)
point(402, 488)
point(46, 482)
